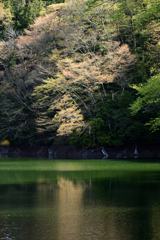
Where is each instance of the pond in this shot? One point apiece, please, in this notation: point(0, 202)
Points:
point(79, 199)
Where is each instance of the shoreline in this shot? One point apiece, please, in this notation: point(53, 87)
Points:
point(69, 152)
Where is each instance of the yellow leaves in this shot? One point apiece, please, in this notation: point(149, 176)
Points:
point(84, 72)
point(55, 7)
point(116, 6)
point(5, 15)
point(5, 143)
point(66, 62)
point(54, 56)
point(97, 70)
point(137, 87)
point(52, 84)
point(69, 116)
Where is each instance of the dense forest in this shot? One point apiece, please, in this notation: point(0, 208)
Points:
point(83, 72)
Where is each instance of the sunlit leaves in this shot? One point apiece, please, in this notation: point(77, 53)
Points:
point(149, 100)
point(69, 116)
point(5, 18)
point(114, 66)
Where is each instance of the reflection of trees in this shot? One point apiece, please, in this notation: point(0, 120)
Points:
point(24, 209)
point(154, 200)
point(126, 208)
point(155, 220)
point(112, 209)
point(70, 199)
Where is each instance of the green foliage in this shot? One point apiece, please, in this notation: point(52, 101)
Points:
point(21, 13)
point(69, 77)
point(102, 134)
point(149, 100)
point(84, 140)
point(5, 19)
point(25, 14)
point(133, 19)
point(15, 111)
point(133, 22)
point(113, 125)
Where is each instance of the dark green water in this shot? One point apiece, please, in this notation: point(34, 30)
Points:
point(79, 200)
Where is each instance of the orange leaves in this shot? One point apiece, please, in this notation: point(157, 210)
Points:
point(119, 64)
point(68, 74)
point(100, 69)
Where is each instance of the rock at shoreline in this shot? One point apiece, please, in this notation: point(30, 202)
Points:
point(69, 152)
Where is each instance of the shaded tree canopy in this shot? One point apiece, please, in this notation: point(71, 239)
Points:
point(84, 73)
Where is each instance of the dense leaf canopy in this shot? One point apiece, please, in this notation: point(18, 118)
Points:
point(80, 72)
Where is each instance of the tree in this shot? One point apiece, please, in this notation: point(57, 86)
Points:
point(5, 19)
point(132, 22)
point(148, 101)
point(16, 112)
point(82, 81)
point(70, 76)
point(23, 12)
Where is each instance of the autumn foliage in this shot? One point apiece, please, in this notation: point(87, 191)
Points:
point(70, 76)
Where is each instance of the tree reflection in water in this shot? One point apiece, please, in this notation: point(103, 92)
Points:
point(60, 207)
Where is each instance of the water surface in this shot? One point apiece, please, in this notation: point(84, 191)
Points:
point(79, 199)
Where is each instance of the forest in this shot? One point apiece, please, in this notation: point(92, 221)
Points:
point(80, 72)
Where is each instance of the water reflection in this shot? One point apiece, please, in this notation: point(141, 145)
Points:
point(58, 207)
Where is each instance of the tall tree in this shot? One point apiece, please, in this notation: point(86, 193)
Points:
point(148, 101)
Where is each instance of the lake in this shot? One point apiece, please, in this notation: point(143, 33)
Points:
point(79, 199)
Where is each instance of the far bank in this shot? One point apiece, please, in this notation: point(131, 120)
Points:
point(69, 152)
